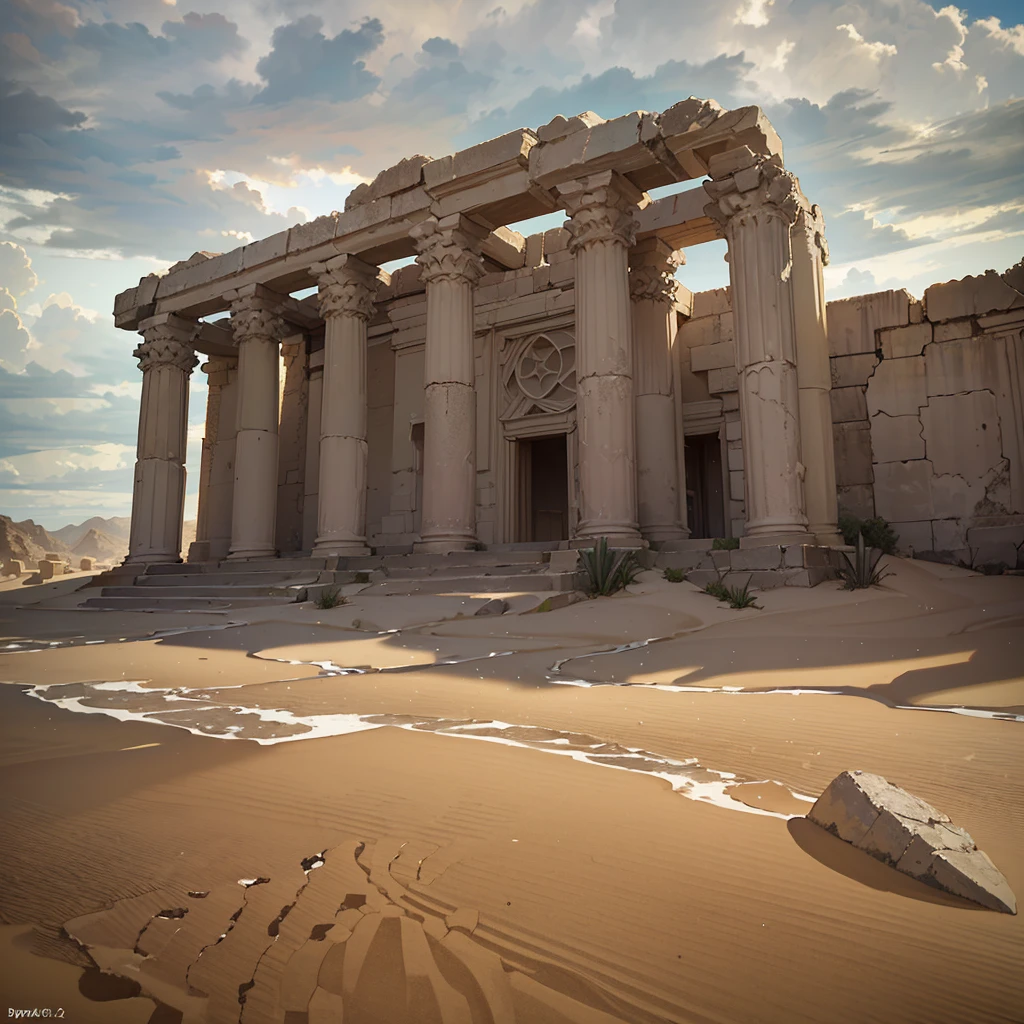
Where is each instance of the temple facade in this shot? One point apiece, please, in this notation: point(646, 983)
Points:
point(561, 387)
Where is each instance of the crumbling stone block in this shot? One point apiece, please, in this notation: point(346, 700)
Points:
point(848, 405)
point(903, 491)
point(853, 453)
point(912, 836)
point(899, 342)
point(14, 567)
point(970, 296)
point(852, 323)
point(896, 438)
point(963, 434)
point(86, 564)
point(897, 387)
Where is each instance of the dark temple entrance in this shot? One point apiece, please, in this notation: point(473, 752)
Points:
point(543, 507)
point(705, 504)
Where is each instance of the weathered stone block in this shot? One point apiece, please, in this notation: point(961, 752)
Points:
point(564, 561)
point(997, 544)
point(949, 535)
point(897, 387)
point(14, 567)
point(724, 379)
point(555, 240)
point(963, 433)
point(913, 537)
point(848, 404)
point(852, 453)
point(896, 438)
point(48, 568)
point(713, 357)
point(312, 233)
point(857, 499)
point(716, 300)
point(768, 557)
point(953, 330)
point(515, 147)
point(405, 174)
point(264, 250)
point(899, 342)
point(86, 564)
point(987, 293)
point(852, 371)
point(903, 491)
point(852, 323)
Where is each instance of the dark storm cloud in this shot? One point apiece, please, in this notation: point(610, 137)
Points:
point(305, 63)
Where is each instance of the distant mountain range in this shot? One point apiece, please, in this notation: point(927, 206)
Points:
point(106, 540)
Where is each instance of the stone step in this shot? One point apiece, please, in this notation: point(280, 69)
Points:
point(474, 559)
point(404, 572)
point(527, 583)
point(221, 593)
point(223, 579)
point(148, 602)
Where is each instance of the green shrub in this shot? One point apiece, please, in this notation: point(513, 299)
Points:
point(876, 531)
point(674, 575)
point(862, 570)
point(718, 590)
point(608, 571)
point(738, 598)
point(725, 544)
point(330, 597)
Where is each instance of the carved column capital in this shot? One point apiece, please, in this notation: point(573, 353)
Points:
point(652, 271)
point(746, 187)
point(255, 314)
point(449, 249)
point(601, 208)
point(348, 287)
point(167, 341)
point(812, 222)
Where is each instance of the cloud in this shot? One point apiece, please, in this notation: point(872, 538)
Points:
point(305, 63)
point(16, 273)
point(856, 282)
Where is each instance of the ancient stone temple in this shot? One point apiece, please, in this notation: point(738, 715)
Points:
point(550, 389)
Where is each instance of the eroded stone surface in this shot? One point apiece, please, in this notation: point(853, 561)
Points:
point(911, 835)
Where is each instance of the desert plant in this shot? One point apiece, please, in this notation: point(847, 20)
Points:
point(725, 544)
point(329, 597)
point(608, 571)
point(674, 575)
point(718, 590)
point(738, 598)
point(876, 531)
point(862, 571)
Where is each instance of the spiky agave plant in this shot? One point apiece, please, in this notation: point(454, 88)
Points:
point(862, 570)
point(607, 570)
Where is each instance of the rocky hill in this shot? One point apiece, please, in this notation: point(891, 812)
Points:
point(27, 541)
point(101, 546)
point(117, 528)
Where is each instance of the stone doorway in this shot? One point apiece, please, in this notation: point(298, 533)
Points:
point(705, 497)
point(543, 489)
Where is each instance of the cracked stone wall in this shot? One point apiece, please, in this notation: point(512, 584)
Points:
point(706, 351)
point(927, 406)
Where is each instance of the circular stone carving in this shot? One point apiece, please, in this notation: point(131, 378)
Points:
point(539, 368)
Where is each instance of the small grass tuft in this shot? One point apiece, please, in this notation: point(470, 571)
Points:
point(330, 598)
point(674, 575)
point(609, 571)
point(544, 606)
point(718, 590)
point(725, 544)
point(738, 598)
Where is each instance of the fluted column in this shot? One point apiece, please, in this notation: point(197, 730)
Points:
point(602, 228)
point(258, 331)
point(449, 255)
point(347, 290)
point(653, 287)
point(166, 359)
point(810, 255)
point(311, 493)
point(222, 462)
point(756, 202)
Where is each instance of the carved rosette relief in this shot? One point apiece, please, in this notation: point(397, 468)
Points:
point(348, 290)
point(599, 214)
point(168, 345)
point(540, 374)
point(449, 253)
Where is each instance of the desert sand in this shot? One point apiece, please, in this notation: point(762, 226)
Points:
point(276, 814)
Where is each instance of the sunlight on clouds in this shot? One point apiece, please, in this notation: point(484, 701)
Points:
point(876, 51)
point(1012, 38)
point(296, 193)
point(54, 463)
point(954, 59)
point(753, 13)
point(588, 28)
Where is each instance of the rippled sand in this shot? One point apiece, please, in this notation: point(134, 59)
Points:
point(263, 815)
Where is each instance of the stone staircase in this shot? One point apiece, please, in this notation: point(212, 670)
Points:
point(220, 586)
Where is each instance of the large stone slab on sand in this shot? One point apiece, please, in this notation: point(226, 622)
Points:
point(912, 836)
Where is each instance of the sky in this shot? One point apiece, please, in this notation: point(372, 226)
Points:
point(135, 132)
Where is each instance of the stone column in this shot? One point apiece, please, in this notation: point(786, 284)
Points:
point(166, 359)
point(449, 255)
point(258, 331)
point(223, 375)
point(814, 376)
point(311, 485)
point(653, 287)
point(347, 289)
point(756, 202)
point(602, 227)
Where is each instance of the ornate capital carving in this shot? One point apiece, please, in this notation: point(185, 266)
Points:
point(652, 272)
point(751, 187)
point(449, 251)
point(255, 316)
point(167, 342)
point(812, 222)
point(348, 287)
point(601, 208)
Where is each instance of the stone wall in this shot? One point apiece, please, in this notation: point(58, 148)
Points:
point(292, 434)
point(927, 406)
